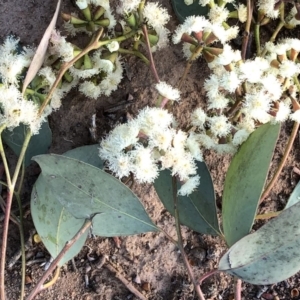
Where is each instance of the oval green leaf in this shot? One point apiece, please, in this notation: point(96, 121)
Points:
point(88, 154)
point(245, 180)
point(88, 192)
point(269, 255)
point(39, 143)
point(54, 224)
point(198, 210)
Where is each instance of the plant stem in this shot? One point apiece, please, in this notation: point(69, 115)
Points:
point(203, 277)
point(152, 65)
point(274, 35)
point(136, 53)
point(238, 289)
point(189, 64)
point(39, 287)
point(282, 163)
point(180, 243)
point(257, 38)
point(11, 187)
point(93, 46)
point(247, 29)
point(22, 240)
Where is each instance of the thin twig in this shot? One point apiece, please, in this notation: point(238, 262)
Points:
point(180, 243)
point(282, 163)
point(195, 54)
point(238, 289)
point(128, 285)
point(93, 46)
point(247, 29)
point(152, 65)
point(208, 274)
point(39, 287)
point(11, 187)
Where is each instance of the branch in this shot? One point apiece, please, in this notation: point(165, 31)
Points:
point(39, 287)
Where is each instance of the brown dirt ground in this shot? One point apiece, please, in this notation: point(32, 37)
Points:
point(148, 261)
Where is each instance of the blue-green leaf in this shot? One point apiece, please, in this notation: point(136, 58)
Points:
point(269, 255)
point(198, 210)
point(54, 224)
point(88, 192)
point(39, 143)
point(245, 181)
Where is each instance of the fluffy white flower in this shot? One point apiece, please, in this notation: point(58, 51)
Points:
point(113, 46)
point(222, 34)
point(89, 89)
point(227, 56)
point(16, 109)
point(257, 105)
point(267, 6)
point(283, 112)
point(295, 116)
point(11, 63)
point(187, 53)
point(230, 81)
point(156, 15)
point(111, 81)
point(145, 169)
point(252, 70)
point(198, 118)
point(184, 167)
point(163, 40)
point(127, 6)
point(59, 46)
point(189, 186)
point(48, 74)
point(154, 118)
point(218, 102)
point(121, 165)
point(288, 68)
point(218, 14)
point(194, 146)
point(272, 86)
point(293, 44)
point(219, 126)
point(179, 140)
point(204, 2)
point(82, 4)
point(167, 91)
point(161, 139)
point(242, 13)
point(212, 85)
point(191, 24)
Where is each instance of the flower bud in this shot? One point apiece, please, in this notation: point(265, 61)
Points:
point(113, 46)
point(87, 62)
point(87, 13)
point(99, 12)
point(131, 21)
point(103, 22)
point(73, 20)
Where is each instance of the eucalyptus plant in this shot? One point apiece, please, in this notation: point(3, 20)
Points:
point(247, 100)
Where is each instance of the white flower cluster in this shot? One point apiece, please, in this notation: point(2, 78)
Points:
point(108, 83)
point(265, 87)
point(154, 15)
point(148, 144)
point(14, 108)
